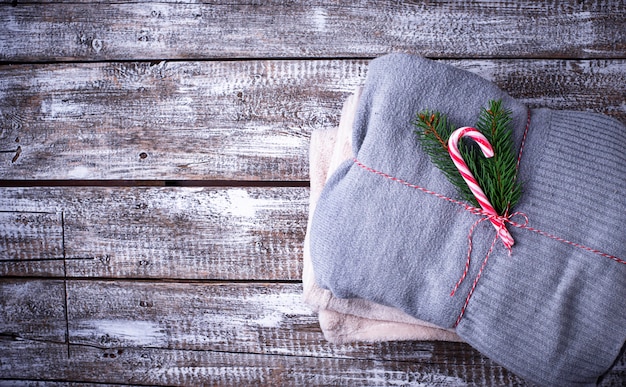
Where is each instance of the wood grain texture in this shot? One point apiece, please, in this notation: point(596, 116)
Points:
point(160, 333)
point(169, 120)
point(204, 332)
point(234, 233)
point(31, 243)
point(165, 367)
point(242, 120)
point(32, 310)
point(58, 31)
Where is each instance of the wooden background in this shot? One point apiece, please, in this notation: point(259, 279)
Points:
point(154, 172)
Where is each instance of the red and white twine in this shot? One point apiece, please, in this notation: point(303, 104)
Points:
point(487, 211)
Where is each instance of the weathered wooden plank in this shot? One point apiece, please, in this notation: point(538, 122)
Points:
point(31, 243)
point(577, 85)
point(223, 317)
point(157, 366)
point(245, 120)
point(175, 232)
point(169, 120)
point(178, 367)
point(48, 383)
point(32, 311)
point(160, 333)
point(54, 31)
point(223, 326)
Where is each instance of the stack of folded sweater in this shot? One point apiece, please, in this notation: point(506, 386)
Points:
point(381, 257)
point(350, 319)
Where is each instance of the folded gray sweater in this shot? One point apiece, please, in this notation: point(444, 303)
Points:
point(551, 312)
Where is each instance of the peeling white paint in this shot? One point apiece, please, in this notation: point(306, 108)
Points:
point(56, 108)
point(238, 203)
point(285, 141)
point(382, 376)
point(241, 204)
point(79, 172)
point(270, 311)
point(277, 306)
point(268, 143)
point(141, 333)
point(319, 19)
point(185, 105)
point(272, 320)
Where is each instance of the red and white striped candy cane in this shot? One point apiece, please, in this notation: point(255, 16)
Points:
point(485, 147)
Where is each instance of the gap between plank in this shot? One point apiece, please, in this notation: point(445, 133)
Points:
point(199, 59)
point(67, 320)
point(46, 259)
point(554, 57)
point(153, 183)
point(64, 382)
point(156, 280)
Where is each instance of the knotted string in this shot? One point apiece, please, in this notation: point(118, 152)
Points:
point(506, 219)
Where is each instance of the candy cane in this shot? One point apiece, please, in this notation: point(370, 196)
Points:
point(485, 147)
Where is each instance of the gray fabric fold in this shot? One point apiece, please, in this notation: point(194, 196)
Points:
point(552, 313)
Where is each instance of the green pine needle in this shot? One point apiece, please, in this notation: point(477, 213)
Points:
point(497, 176)
point(433, 131)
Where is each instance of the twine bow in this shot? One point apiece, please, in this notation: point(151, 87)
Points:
point(497, 221)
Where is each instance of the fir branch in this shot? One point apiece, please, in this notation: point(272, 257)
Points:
point(496, 176)
point(433, 132)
